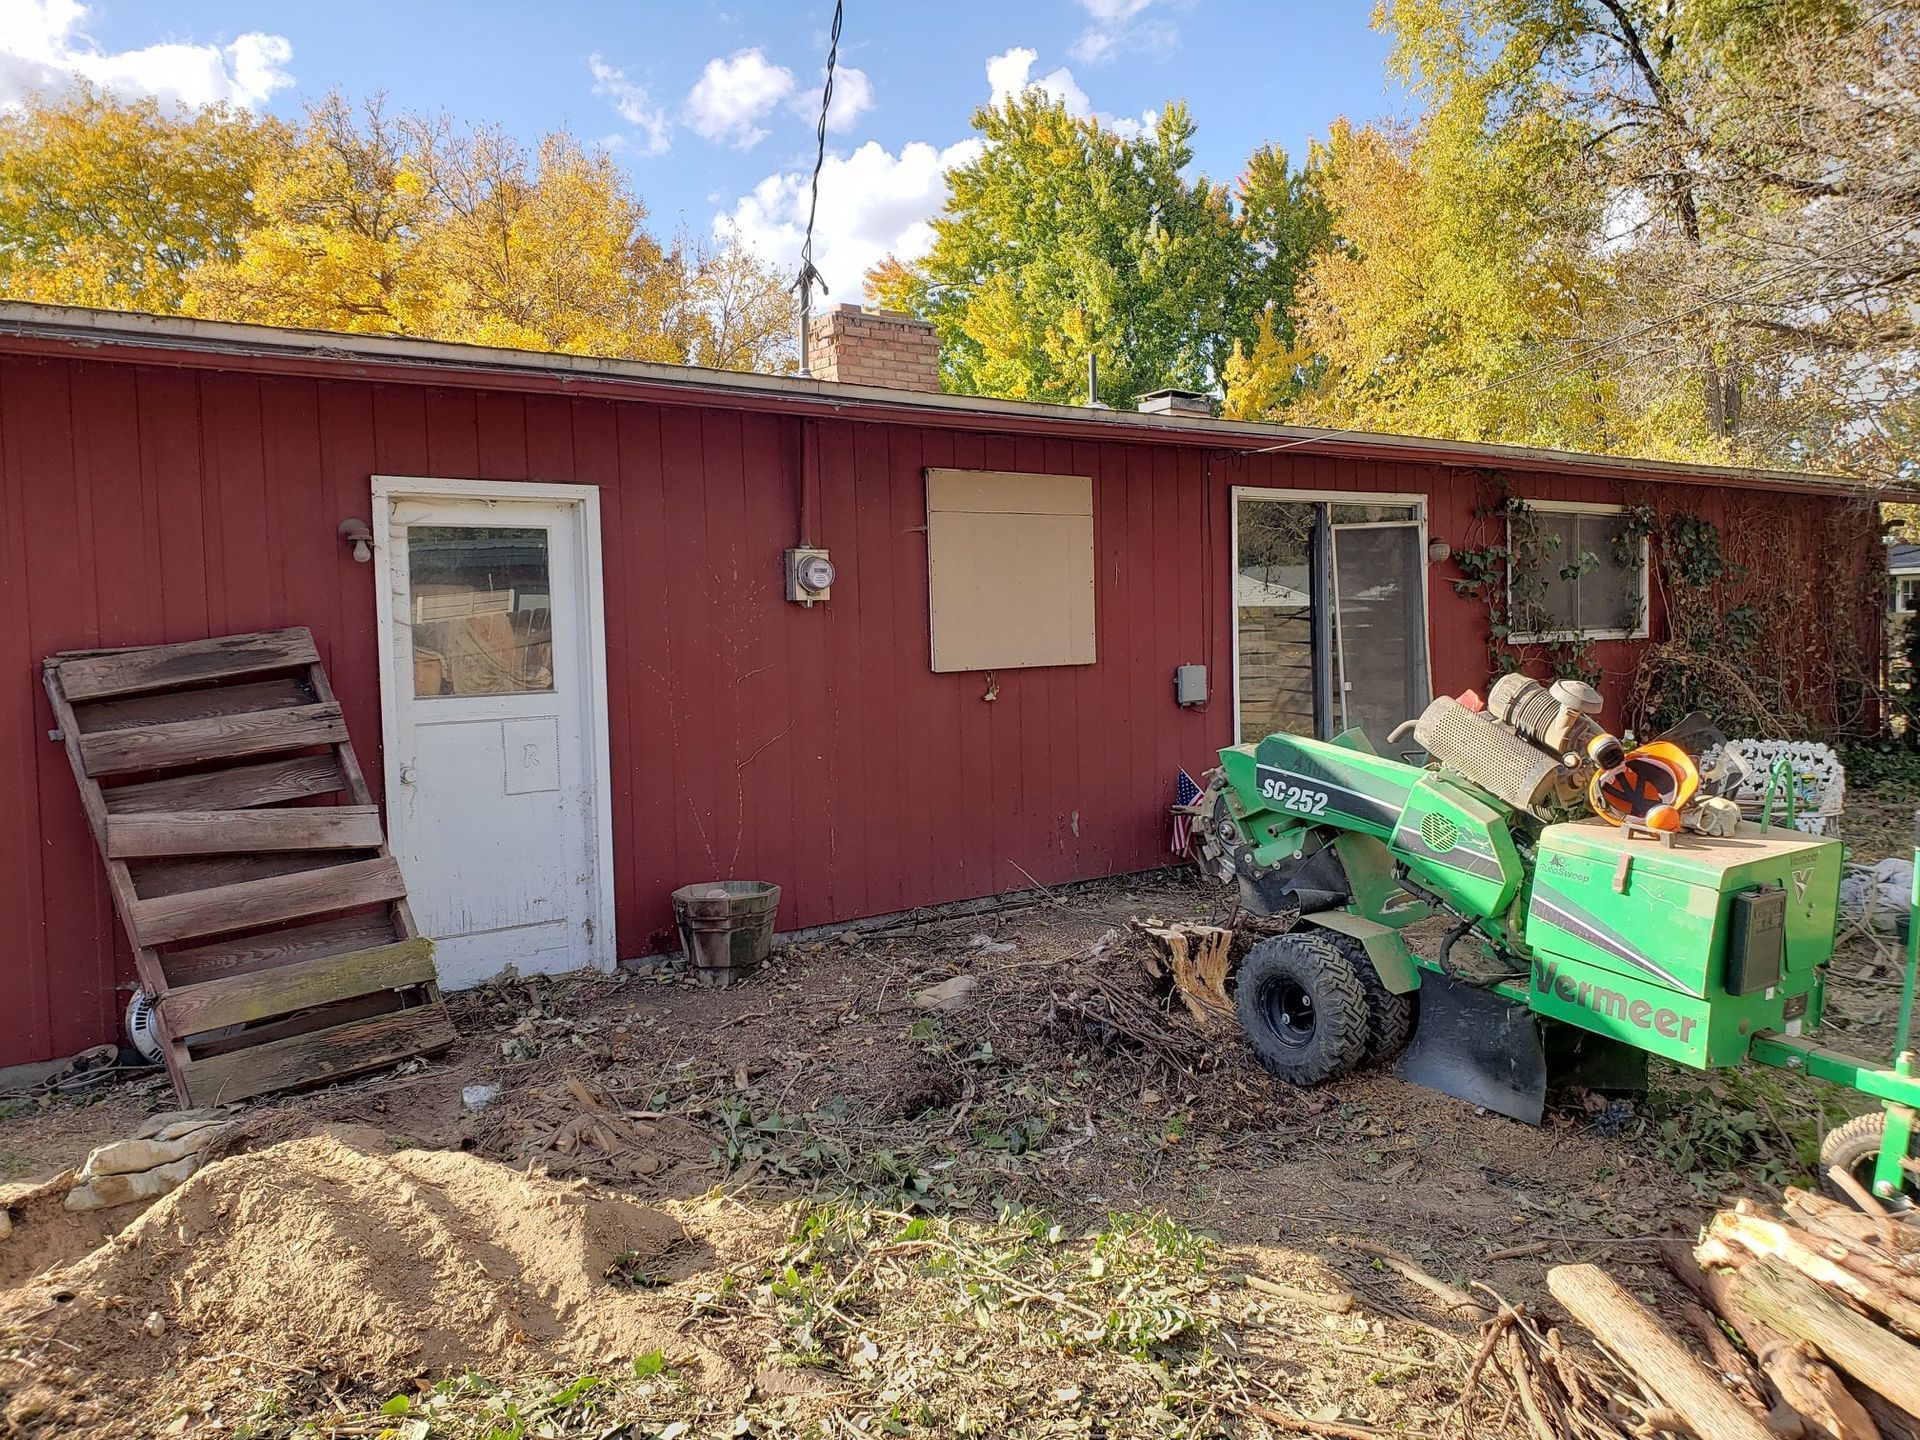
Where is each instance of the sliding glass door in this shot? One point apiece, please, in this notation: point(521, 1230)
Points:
point(1330, 622)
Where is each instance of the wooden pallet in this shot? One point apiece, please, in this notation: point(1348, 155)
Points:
point(272, 932)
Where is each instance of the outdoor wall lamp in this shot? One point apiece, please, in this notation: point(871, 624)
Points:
point(356, 534)
point(1438, 551)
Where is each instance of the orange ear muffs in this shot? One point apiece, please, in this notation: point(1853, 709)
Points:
point(1658, 775)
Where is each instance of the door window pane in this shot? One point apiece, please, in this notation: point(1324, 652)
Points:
point(1273, 593)
point(481, 609)
point(1380, 627)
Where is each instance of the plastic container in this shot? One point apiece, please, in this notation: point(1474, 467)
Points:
point(726, 926)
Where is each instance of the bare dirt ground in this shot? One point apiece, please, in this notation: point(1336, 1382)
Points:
point(801, 1205)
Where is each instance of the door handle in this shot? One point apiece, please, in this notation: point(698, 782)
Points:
point(406, 774)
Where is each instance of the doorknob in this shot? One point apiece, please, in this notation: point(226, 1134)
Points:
point(406, 774)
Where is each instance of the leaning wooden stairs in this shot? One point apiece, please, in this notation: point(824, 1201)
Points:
point(272, 933)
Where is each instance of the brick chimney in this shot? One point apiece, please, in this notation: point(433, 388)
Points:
point(874, 347)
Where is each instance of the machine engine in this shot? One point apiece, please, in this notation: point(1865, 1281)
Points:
point(1524, 744)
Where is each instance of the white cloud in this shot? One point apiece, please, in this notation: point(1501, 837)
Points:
point(733, 95)
point(1010, 73)
point(873, 203)
point(1119, 25)
point(43, 45)
point(852, 98)
point(634, 106)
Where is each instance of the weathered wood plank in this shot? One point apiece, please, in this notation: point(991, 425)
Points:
point(191, 742)
point(266, 902)
point(179, 874)
point(341, 935)
point(202, 703)
point(240, 787)
point(318, 1057)
point(218, 832)
point(163, 667)
point(298, 985)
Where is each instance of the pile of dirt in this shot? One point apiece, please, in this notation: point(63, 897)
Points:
point(335, 1256)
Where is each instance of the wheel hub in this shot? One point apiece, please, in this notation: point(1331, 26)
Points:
point(1290, 1008)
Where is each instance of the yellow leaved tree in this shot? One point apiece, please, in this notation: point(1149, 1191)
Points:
point(361, 220)
point(114, 203)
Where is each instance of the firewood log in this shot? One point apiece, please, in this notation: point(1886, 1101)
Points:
point(1894, 1424)
point(1804, 1385)
point(1763, 1237)
point(1788, 1301)
point(1646, 1348)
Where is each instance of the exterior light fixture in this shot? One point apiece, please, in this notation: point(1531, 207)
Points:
point(1438, 551)
point(356, 534)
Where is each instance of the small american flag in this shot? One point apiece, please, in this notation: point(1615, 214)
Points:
point(1185, 792)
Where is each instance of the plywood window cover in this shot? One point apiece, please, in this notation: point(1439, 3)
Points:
point(1010, 569)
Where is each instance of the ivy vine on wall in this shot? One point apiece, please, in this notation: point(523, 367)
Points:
point(1737, 631)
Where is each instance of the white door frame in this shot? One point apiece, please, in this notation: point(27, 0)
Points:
point(586, 501)
point(1421, 504)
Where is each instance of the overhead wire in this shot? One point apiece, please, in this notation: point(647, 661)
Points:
point(809, 275)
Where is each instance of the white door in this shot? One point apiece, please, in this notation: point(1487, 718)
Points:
point(493, 681)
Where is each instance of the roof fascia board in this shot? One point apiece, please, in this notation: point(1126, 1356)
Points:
point(151, 339)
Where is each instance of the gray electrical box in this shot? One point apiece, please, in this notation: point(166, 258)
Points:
point(1190, 684)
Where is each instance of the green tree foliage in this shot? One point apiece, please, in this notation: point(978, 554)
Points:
point(1064, 239)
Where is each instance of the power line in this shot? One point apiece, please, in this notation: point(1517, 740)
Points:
point(809, 275)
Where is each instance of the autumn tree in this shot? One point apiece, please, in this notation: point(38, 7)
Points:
point(114, 203)
point(1712, 173)
point(1064, 239)
point(361, 220)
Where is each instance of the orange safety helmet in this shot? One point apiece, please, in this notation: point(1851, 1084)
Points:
point(1657, 775)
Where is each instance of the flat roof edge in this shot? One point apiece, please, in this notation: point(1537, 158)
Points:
point(82, 328)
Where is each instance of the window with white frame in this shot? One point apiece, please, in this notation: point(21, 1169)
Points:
point(1577, 572)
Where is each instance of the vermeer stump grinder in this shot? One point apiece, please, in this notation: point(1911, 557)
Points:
point(1656, 921)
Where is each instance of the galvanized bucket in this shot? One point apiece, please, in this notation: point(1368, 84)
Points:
point(726, 926)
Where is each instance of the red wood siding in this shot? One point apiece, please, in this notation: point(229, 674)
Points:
point(750, 737)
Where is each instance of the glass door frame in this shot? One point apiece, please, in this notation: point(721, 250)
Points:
point(1323, 618)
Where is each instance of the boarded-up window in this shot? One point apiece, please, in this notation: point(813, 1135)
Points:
point(1010, 569)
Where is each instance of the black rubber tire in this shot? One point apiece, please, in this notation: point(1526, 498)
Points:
point(1855, 1147)
point(1302, 1007)
point(1389, 1016)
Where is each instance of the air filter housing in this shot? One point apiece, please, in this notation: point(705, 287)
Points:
point(1488, 754)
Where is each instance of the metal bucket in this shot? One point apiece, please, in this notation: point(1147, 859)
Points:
point(726, 926)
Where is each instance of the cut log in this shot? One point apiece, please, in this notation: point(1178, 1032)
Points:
point(1802, 1382)
point(1643, 1346)
point(1896, 1243)
point(1783, 1298)
point(1894, 1424)
point(1763, 1237)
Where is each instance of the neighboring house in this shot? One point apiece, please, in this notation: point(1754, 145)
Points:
point(1903, 579)
point(1903, 602)
point(573, 668)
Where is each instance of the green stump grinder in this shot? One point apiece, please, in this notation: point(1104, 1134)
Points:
point(1598, 904)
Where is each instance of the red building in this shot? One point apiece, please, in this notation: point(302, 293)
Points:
point(567, 653)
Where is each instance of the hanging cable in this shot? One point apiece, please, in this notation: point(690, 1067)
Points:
point(808, 276)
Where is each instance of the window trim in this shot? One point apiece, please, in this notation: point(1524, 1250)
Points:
point(1640, 631)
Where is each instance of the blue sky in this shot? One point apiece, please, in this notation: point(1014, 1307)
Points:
point(711, 103)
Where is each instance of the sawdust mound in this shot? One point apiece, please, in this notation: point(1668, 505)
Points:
point(338, 1256)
